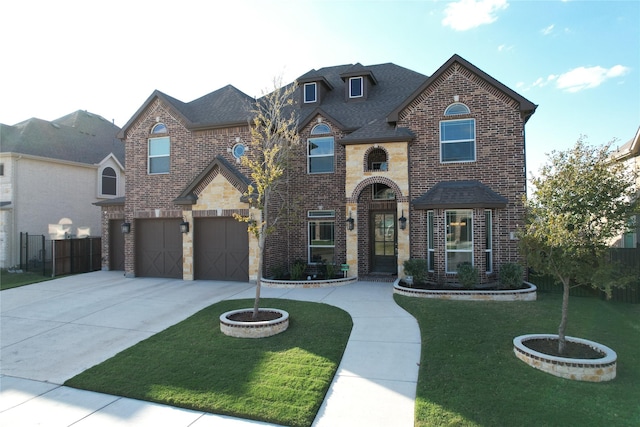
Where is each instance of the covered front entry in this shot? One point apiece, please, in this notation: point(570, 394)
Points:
point(158, 248)
point(384, 242)
point(221, 249)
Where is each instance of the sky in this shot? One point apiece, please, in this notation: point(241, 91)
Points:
point(579, 61)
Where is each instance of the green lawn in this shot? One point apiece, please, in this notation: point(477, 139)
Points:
point(281, 379)
point(13, 280)
point(469, 375)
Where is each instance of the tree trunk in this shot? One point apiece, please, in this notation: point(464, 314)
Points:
point(563, 322)
point(256, 302)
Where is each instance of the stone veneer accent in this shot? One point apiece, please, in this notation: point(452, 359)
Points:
point(592, 370)
point(262, 329)
point(529, 294)
point(297, 284)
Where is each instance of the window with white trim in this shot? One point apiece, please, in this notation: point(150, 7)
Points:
point(310, 92)
point(459, 239)
point(457, 136)
point(320, 151)
point(109, 182)
point(488, 246)
point(321, 236)
point(356, 87)
point(159, 150)
point(431, 250)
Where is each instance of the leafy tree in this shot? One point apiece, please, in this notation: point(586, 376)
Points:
point(273, 136)
point(581, 201)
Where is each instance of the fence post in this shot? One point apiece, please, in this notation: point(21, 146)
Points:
point(44, 257)
point(53, 258)
point(26, 254)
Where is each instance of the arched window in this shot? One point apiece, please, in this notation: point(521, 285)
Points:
point(457, 109)
point(109, 182)
point(158, 151)
point(320, 150)
point(377, 160)
point(457, 136)
point(159, 128)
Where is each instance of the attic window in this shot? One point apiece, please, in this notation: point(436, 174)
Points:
point(456, 109)
point(356, 87)
point(109, 182)
point(310, 92)
point(159, 128)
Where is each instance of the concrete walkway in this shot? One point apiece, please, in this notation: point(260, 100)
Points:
point(54, 330)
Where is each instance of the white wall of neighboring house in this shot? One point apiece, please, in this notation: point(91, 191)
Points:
point(49, 197)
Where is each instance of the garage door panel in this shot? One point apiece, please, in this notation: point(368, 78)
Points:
point(158, 248)
point(221, 249)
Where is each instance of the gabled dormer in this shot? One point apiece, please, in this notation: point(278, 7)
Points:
point(358, 81)
point(313, 88)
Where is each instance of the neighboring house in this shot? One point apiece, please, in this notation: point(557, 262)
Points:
point(629, 153)
point(393, 165)
point(51, 173)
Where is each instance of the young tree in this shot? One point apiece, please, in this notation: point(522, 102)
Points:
point(582, 199)
point(273, 136)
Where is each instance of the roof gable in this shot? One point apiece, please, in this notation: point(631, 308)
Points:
point(527, 108)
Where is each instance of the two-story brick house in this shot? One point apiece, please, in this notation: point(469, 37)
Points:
point(392, 165)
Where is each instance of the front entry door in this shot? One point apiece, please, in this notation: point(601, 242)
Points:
point(384, 258)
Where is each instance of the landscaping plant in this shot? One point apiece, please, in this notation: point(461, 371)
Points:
point(273, 136)
point(581, 201)
point(467, 275)
point(511, 275)
point(416, 268)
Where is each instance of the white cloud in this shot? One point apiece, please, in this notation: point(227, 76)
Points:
point(588, 77)
point(546, 31)
point(467, 14)
point(504, 48)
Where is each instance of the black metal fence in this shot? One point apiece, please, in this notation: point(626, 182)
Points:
point(628, 257)
point(59, 257)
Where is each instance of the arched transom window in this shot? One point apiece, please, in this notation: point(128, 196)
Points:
point(457, 136)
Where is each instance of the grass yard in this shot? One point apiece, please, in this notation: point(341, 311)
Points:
point(282, 379)
point(469, 375)
point(13, 280)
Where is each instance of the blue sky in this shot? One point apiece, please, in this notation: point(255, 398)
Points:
point(578, 60)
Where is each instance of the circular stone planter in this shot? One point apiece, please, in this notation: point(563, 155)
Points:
point(273, 283)
point(527, 294)
point(249, 329)
point(593, 370)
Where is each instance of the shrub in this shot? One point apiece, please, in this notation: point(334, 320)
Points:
point(467, 275)
point(511, 275)
point(331, 271)
point(416, 268)
point(279, 272)
point(297, 269)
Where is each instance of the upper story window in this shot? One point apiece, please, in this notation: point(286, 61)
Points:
point(457, 136)
point(356, 87)
point(109, 182)
point(159, 150)
point(310, 92)
point(383, 192)
point(159, 128)
point(320, 151)
point(377, 160)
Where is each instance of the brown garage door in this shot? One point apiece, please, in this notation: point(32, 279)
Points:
point(116, 245)
point(158, 248)
point(221, 249)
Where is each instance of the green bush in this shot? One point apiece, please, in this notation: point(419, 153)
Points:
point(297, 269)
point(330, 271)
point(467, 275)
point(279, 272)
point(511, 275)
point(417, 268)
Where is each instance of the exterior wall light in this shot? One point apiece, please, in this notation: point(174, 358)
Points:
point(350, 222)
point(184, 227)
point(402, 221)
point(125, 227)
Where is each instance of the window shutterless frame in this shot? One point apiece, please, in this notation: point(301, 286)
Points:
point(458, 239)
point(159, 152)
point(356, 87)
point(488, 247)
point(458, 140)
point(310, 92)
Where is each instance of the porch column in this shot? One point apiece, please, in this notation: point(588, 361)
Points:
point(352, 239)
point(404, 246)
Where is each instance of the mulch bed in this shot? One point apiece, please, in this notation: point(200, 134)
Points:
point(572, 350)
point(247, 316)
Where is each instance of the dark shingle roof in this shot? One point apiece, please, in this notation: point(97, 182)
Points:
point(77, 137)
point(460, 195)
